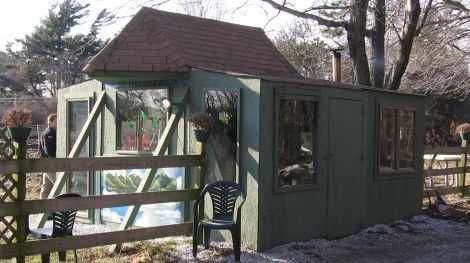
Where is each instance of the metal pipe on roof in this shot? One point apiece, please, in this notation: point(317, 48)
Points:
point(336, 63)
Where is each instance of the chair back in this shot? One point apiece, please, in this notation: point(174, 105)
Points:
point(63, 221)
point(224, 195)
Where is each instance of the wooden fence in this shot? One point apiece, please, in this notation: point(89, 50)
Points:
point(446, 164)
point(20, 209)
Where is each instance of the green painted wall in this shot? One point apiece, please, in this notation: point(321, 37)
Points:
point(396, 196)
point(296, 215)
point(86, 90)
point(89, 91)
point(270, 218)
point(249, 134)
point(348, 195)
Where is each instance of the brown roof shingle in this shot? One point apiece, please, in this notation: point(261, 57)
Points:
point(156, 41)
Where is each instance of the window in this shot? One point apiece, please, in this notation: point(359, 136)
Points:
point(222, 106)
point(78, 114)
point(295, 143)
point(396, 139)
point(141, 118)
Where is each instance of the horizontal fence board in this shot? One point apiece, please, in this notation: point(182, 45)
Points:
point(447, 171)
point(443, 150)
point(88, 202)
point(97, 163)
point(446, 150)
point(93, 240)
point(442, 191)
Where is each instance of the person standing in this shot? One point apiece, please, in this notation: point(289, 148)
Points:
point(47, 148)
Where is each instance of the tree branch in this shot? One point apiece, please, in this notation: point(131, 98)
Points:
point(320, 20)
point(326, 7)
point(427, 9)
point(413, 11)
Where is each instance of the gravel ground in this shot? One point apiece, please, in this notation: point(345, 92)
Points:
point(420, 239)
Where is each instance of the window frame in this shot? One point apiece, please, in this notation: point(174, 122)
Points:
point(396, 170)
point(117, 125)
point(237, 91)
point(90, 176)
point(277, 189)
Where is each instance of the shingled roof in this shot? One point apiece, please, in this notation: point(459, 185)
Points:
point(158, 41)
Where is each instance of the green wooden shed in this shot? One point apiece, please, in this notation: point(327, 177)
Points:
point(316, 158)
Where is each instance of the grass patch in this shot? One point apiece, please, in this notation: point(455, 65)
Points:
point(136, 252)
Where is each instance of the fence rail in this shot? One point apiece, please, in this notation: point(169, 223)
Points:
point(23, 208)
point(459, 155)
point(99, 201)
point(97, 163)
point(93, 240)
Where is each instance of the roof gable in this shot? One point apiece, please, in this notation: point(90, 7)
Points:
point(157, 41)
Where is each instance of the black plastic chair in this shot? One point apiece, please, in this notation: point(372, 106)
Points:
point(224, 196)
point(62, 226)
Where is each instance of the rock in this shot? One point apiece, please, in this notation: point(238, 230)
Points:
point(404, 226)
point(419, 219)
point(380, 229)
point(442, 208)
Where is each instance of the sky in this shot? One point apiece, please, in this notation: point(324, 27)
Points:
point(19, 17)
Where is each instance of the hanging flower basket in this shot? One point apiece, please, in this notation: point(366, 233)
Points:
point(19, 134)
point(19, 124)
point(203, 124)
point(201, 135)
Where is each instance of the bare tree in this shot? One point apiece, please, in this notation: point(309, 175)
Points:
point(368, 24)
point(308, 54)
point(214, 9)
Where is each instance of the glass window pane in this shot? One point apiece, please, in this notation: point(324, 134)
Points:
point(387, 139)
point(296, 146)
point(406, 120)
point(222, 106)
point(141, 118)
point(78, 111)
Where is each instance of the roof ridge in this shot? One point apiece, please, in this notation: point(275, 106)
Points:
point(202, 18)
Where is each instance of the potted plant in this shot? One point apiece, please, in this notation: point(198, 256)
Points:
point(18, 123)
point(202, 123)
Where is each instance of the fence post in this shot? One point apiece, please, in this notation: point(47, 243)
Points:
point(463, 163)
point(20, 177)
point(202, 174)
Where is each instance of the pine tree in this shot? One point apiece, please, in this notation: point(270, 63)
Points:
point(51, 57)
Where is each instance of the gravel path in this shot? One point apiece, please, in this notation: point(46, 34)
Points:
point(422, 239)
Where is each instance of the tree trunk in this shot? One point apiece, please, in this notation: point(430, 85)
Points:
point(356, 33)
point(378, 45)
point(413, 11)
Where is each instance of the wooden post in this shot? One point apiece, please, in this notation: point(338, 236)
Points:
point(22, 220)
point(201, 182)
point(464, 166)
point(202, 175)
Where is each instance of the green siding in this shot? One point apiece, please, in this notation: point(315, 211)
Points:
point(349, 194)
point(86, 90)
point(199, 82)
